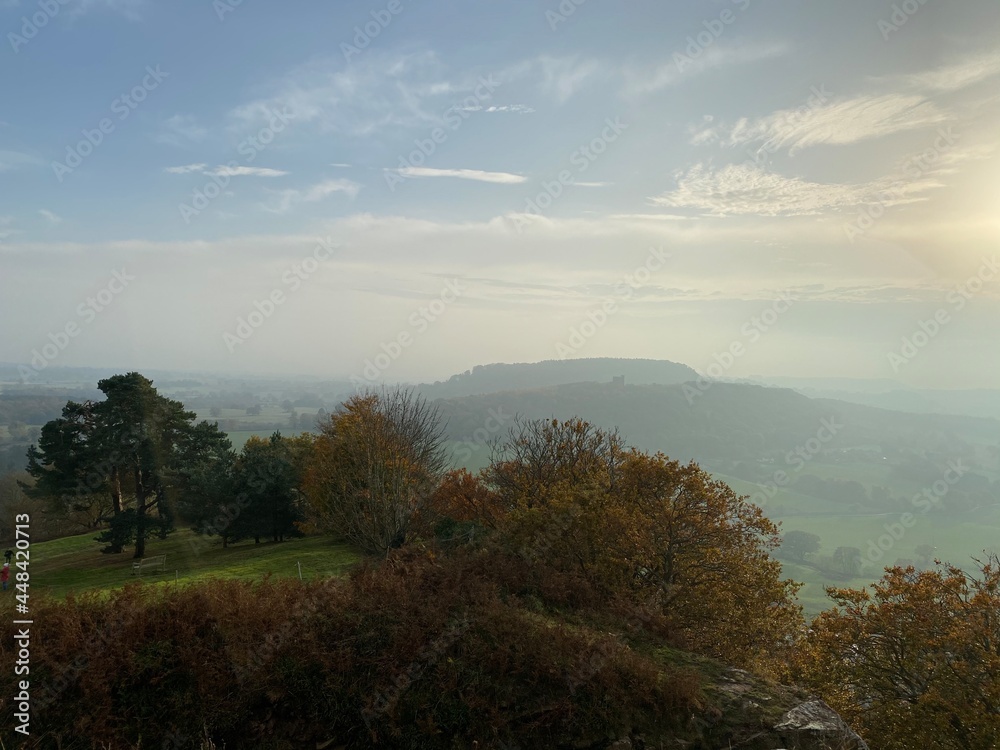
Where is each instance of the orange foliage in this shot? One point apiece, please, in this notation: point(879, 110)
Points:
point(915, 661)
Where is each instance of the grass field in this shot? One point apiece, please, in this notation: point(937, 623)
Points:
point(77, 564)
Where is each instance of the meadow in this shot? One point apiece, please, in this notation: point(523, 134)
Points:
point(75, 564)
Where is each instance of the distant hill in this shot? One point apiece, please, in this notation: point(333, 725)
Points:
point(514, 377)
point(891, 394)
point(976, 403)
point(728, 421)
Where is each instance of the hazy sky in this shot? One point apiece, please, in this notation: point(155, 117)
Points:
point(803, 185)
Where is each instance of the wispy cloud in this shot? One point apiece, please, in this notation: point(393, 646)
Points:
point(749, 190)
point(376, 92)
point(49, 216)
point(957, 75)
point(522, 109)
point(181, 130)
point(15, 159)
point(680, 68)
point(839, 122)
point(564, 77)
point(187, 169)
point(464, 174)
point(6, 229)
point(226, 171)
point(286, 199)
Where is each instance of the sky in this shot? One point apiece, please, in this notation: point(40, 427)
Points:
point(401, 191)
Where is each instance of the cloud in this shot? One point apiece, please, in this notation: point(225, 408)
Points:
point(15, 159)
point(859, 118)
point(505, 178)
point(181, 130)
point(5, 227)
point(564, 77)
point(286, 199)
point(748, 189)
point(682, 67)
point(187, 169)
point(523, 109)
point(839, 122)
point(378, 92)
point(518, 108)
point(956, 76)
point(237, 171)
point(226, 171)
point(49, 216)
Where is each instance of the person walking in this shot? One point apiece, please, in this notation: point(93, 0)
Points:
point(5, 575)
point(8, 556)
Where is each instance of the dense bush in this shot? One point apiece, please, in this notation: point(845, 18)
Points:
point(418, 652)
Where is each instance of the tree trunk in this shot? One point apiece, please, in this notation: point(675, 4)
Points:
point(116, 501)
point(141, 495)
point(116, 490)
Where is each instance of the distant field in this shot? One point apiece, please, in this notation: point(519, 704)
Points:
point(240, 437)
point(77, 564)
point(956, 537)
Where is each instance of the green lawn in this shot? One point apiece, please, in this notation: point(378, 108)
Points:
point(77, 564)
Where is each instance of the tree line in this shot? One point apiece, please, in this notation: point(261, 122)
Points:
point(916, 654)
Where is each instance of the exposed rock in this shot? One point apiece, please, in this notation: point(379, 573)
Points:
point(818, 726)
point(746, 712)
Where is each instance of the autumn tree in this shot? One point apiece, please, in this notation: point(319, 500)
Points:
point(540, 454)
point(705, 554)
point(374, 465)
point(460, 506)
point(648, 528)
point(914, 661)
